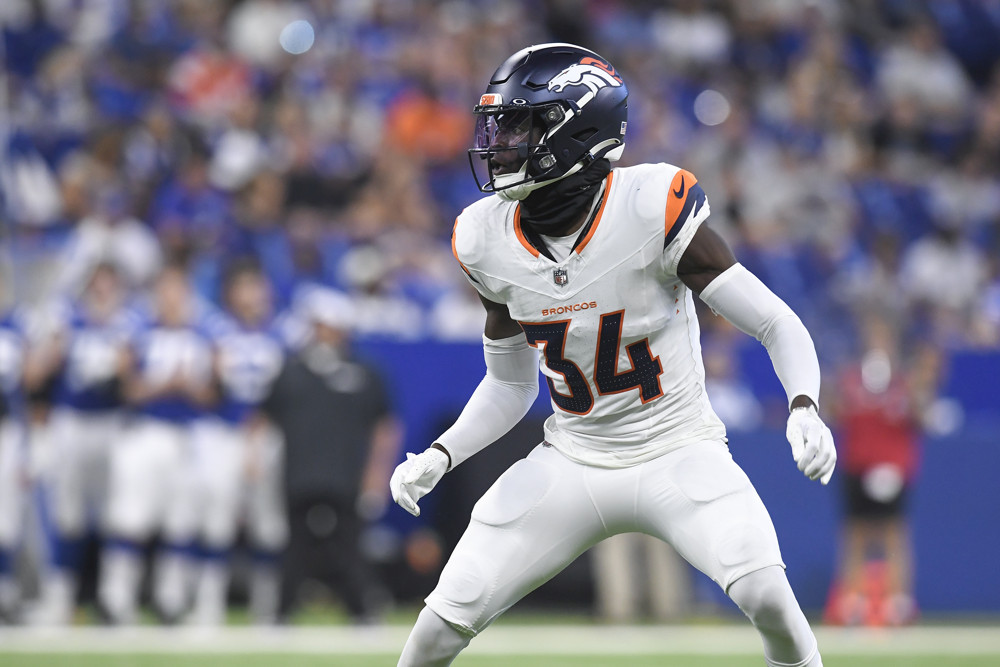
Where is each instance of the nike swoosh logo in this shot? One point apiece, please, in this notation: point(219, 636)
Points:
point(680, 191)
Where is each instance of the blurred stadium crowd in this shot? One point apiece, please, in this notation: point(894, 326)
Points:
point(850, 150)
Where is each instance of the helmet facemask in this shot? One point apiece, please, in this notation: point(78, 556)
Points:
point(511, 156)
point(550, 111)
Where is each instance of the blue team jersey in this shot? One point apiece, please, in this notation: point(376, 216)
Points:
point(12, 349)
point(161, 352)
point(248, 361)
point(89, 379)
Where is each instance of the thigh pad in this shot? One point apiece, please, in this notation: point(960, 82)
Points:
point(514, 494)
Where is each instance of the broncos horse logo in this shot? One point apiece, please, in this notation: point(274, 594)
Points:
point(589, 72)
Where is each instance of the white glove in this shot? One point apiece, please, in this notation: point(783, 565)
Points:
point(812, 444)
point(416, 476)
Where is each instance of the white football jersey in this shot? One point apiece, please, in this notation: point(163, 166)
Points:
point(616, 327)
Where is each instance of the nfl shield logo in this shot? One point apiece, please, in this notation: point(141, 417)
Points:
point(560, 276)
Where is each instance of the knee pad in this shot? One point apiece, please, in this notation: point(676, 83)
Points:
point(764, 596)
point(767, 599)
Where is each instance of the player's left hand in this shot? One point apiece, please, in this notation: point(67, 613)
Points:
point(812, 444)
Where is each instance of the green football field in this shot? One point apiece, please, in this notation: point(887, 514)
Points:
point(512, 660)
point(548, 642)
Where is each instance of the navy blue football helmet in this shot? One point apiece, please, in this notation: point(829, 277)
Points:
point(549, 111)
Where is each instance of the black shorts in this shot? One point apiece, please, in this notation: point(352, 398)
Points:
point(861, 504)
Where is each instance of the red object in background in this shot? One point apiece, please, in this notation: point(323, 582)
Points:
point(210, 82)
point(877, 427)
point(876, 595)
point(873, 607)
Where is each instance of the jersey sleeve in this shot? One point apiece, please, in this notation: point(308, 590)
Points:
point(467, 245)
point(686, 209)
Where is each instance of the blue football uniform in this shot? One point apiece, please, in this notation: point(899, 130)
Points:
point(11, 363)
point(12, 348)
point(249, 359)
point(162, 352)
point(88, 380)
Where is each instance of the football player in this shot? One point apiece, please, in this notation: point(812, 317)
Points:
point(248, 357)
point(87, 355)
point(168, 385)
point(12, 455)
point(595, 269)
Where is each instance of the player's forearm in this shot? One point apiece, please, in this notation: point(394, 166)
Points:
point(41, 363)
point(748, 304)
point(499, 403)
point(494, 408)
point(200, 392)
point(136, 390)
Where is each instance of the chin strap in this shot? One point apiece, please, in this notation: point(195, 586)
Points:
point(521, 192)
point(551, 209)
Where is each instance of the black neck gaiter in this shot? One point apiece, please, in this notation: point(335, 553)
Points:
point(552, 209)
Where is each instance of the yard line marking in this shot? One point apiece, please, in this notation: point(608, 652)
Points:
point(500, 640)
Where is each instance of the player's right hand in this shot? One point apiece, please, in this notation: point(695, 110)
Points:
point(416, 476)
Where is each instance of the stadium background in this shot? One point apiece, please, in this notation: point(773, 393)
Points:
point(850, 151)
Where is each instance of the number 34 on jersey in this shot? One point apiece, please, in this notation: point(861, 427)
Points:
point(644, 374)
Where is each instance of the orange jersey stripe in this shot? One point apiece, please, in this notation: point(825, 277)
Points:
point(600, 213)
point(520, 234)
point(676, 196)
point(454, 250)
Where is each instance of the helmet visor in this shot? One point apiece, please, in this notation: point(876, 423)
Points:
point(503, 130)
point(505, 139)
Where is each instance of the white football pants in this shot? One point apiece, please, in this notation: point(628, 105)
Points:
point(266, 520)
point(11, 482)
point(546, 510)
point(151, 487)
point(81, 442)
point(217, 466)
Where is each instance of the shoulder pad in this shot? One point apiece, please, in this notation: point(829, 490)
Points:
point(470, 238)
point(684, 200)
